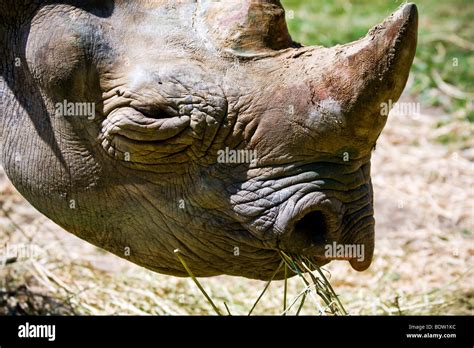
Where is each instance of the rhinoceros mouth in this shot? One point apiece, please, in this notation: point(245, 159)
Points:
point(318, 234)
point(313, 221)
point(307, 223)
point(319, 221)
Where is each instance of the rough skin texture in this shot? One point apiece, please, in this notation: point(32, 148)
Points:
point(172, 84)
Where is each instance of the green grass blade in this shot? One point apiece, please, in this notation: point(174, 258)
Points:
point(301, 304)
point(197, 282)
point(328, 284)
point(266, 287)
point(227, 309)
point(294, 267)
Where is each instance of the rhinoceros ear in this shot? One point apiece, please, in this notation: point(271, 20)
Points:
point(248, 27)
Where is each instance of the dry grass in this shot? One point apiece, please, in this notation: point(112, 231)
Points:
point(423, 258)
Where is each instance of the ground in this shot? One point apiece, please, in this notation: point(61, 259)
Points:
point(423, 176)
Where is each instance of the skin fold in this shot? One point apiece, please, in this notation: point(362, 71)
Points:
point(172, 85)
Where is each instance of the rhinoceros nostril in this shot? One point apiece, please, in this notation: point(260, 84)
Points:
point(313, 227)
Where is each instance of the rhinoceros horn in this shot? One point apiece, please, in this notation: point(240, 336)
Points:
point(372, 72)
point(244, 27)
point(360, 75)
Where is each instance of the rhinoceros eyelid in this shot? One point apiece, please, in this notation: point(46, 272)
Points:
point(155, 112)
point(152, 113)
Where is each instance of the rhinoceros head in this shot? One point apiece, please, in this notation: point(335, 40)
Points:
point(146, 126)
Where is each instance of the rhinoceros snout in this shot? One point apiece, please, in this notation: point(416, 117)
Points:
point(323, 243)
point(324, 228)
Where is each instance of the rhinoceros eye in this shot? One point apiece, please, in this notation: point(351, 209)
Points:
point(129, 135)
point(155, 112)
point(163, 114)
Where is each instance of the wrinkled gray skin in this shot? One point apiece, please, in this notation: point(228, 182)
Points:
point(172, 85)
